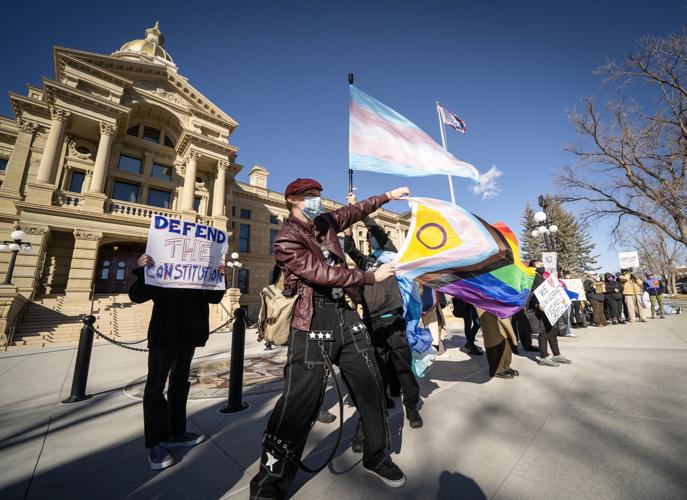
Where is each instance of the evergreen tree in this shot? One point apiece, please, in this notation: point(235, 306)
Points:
point(572, 242)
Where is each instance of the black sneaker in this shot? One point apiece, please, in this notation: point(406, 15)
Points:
point(184, 440)
point(515, 373)
point(503, 374)
point(413, 416)
point(326, 417)
point(160, 458)
point(473, 350)
point(389, 473)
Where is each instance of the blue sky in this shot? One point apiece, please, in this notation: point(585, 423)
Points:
point(512, 70)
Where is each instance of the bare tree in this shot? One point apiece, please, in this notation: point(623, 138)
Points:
point(633, 162)
point(657, 252)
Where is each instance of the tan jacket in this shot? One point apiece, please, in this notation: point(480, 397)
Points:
point(632, 284)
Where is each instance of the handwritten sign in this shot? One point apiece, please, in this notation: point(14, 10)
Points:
point(553, 298)
point(186, 254)
point(550, 261)
point(628, 260)
point(575, 285)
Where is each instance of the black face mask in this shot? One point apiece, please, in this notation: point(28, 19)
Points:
point(540, 270)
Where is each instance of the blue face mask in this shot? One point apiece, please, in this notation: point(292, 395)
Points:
point(312, 207)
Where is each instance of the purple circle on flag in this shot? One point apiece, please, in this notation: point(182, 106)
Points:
point(444, 236)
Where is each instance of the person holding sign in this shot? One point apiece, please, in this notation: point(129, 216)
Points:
point(548, 332)
point(179, 323)
point(308, 251)
point(632, 293)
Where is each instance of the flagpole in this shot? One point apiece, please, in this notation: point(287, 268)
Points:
point(443, 143)
point(350, 171)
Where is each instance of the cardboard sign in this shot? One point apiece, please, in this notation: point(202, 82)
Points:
point(550, 261)
point(628, 260)
point(186, 254)
point(576, 285)
point(553, 298)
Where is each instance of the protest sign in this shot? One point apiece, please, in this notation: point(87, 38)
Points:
point(628, 260)
point(553, 298)
point(185, 254)
point(550, 261)
point(575, 285)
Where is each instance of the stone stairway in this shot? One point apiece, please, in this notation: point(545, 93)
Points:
point(52, 321)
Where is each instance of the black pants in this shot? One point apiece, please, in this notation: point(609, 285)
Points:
point(549, 335)
point(393, 355)
point(577, 314)
point(305, 375)
point(166, 418)
point(522, 326)
point(472, 324)
point(615, 308)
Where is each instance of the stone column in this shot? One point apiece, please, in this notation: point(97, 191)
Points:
point(27, 269)
point(189, 182)
point(53, 146)
point(107, 133)
point(219, 190)
point(16, 166)
point(83, 264)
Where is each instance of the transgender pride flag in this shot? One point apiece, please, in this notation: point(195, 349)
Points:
point(383, 141)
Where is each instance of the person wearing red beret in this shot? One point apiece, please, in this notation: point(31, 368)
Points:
point(313, 264)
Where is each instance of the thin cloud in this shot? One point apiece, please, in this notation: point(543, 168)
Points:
point(488, 187)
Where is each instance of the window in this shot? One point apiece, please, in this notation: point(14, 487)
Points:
point(3, 164)
point(132, 131)
point(196, 204)
point(244, 213)
point(168, 141)
point(105, 270)
point(274, 219)
point(233, 211)
point(151, 134)
point(76, 181)
point(121, 270)
point(244, 238)
point(243, 275)
point(273, 233)
point(159, 198)
point(125, 191)
point(161, 172)
point(129, 164)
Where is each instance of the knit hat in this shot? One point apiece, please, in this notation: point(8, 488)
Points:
point(301, 185)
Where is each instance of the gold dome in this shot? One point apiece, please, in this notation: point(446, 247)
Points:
point(147, 50)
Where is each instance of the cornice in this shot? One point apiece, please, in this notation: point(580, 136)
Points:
point(102, 105)
point(62, 58)
point(188, 138)
point(21, 103)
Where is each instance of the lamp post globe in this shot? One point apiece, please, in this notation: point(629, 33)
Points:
point(540, 216)
point(4, 247)
point(238, 264)
point(535, 233)
point(543, 230)
point(234, 255)
point(18, 235)
point(553, 228)
point(14, 247)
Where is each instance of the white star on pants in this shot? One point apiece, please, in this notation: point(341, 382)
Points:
point(270, 461)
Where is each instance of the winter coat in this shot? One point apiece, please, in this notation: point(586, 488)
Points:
point(593, 291)
point(632, 285)
point(653, 286)
point(298, 249)
point(180, 315)
point(614, 289)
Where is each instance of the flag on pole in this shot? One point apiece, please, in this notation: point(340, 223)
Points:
point(452, 120)
point(456, 252)
point(381, 140)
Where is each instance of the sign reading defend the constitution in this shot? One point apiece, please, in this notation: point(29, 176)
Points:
point(553, 298)
point(186, 254)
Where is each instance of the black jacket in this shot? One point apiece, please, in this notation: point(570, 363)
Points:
point(591, 292)
point(380, 298)
point(533, 303)
point(614, 290)
point(180, 316)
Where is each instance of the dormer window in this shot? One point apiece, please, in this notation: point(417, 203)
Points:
point(151, 134)
point(169, 142)
point(133, 131)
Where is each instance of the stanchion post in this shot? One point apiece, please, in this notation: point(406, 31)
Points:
point(238, 344)
point(83, 361)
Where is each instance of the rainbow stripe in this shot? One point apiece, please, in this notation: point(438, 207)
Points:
point(381, 140)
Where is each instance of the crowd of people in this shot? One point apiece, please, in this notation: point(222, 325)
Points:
point(371, 349)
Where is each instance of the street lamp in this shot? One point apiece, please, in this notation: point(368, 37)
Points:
point(234, 264)
point(15, 245)
point(545, 229)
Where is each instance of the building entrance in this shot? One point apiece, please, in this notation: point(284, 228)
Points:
point(116, 261)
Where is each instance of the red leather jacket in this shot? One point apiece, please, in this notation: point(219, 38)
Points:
point(298, 252)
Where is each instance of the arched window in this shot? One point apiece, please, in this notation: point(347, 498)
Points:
point(121, 270)
point(105, 270)
point(151, 133)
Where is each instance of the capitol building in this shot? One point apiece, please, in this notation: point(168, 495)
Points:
point(89, 156)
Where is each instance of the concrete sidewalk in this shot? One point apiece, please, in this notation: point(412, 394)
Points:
point(612, 425)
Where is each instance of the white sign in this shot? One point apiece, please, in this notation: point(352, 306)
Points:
point(550, 261)
point(552, 297)
point(185, 254)
point(575, 285)
point(628, 260)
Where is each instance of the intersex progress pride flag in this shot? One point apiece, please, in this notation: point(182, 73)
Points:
point(381, 140)
point(456, 252)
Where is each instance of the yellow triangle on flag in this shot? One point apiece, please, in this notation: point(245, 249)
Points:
point(432, 235)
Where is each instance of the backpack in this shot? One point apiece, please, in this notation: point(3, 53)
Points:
point(276, 312)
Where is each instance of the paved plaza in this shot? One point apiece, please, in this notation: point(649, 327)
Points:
point(610, 426)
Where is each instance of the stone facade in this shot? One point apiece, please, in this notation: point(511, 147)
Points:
point(91, 155)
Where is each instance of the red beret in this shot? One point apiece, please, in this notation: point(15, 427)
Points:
point(300, 185)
